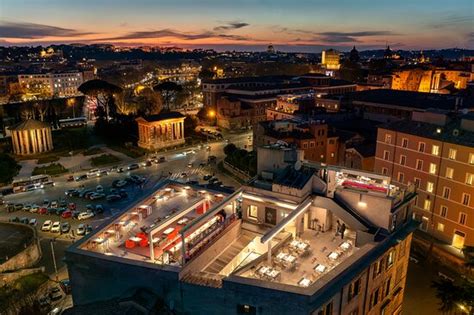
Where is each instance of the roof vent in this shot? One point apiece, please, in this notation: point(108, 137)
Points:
point(456, 132)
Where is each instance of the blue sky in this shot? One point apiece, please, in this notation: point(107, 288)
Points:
point(289, 25)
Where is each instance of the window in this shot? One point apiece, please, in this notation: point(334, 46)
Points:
point(403, 159)
point(427, 204)
point(326, 310)
point(417, 182)
point(449, 172)
point(377, 267)
point(443, 211)
point(305, 145)
point(354, 289)
point(401, 177)
point(419, 165)
point(446, 192)
point(384, 171)
point(429, 187)
point(387, 287)
point(462, 218)
point(311, 144)
point(388, 138)
point(386, 155)
point(435, 149)
point(421, 146)
point(440, 227)
point(390, 258)
point(471, 158)
point(246, 309)
point(252, 212)
point(465, 199)
point(374, 298)
point(432, 168)
point(405, 142)
point(452, 154)
point(469, 178)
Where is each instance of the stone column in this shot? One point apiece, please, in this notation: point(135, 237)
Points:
point(50, 139)
point(44, 138)
point(27, 141)
point(40, 140)
point(34, 144)
point(182, 129)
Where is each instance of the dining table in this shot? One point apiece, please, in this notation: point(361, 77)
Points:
point(333, 255)
point(168, 231)
point(135, 239)
point(345, 245)
point(304, 282)
point(320, 268)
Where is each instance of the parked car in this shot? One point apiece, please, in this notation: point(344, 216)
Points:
point(70, 178)
point(161, 159)
point(89, 194)
point(69, 192)
point(18, 206)
point(26, 207)
point(62, 203)
point(59, 211)
point(123, 193)
point(81, 229)
point(207, 177)
point(66, 214)
point(51, 211)
point(46, 227)
point(33, 222)
point(120, 170)
point(99, 188)
point(43, 210)
point(85, 215)
point(71, 206)
point(103, 173)
point(56, 227)
point(133, 166)
point(25, 220)
point(54, 204)
point(65, 227)
point(34, 208)
point(211, 158)
point(190, 165)
point(46, 203)
point(14, 220)
point(88, 229)
point(96, 196)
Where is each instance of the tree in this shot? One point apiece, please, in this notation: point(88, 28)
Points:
point(168, 90)
point(104, 93)
point(468, 252)
point(453, 296)
point(8, 168)
point(206, 74)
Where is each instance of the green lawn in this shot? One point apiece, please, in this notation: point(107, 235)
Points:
point(52, 169)
point(21, 288)
point(47, 159)
point(92, 151)
point(133, 152)
point(104, 159)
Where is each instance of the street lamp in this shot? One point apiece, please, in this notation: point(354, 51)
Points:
point(212, 114)
point(72, 102)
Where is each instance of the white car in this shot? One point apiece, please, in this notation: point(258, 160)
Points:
point(56, 227)
point(34, 208)
point(120, 183)
point(33, 222)
point(46, 226)
point(85, 215)
point(93, 173)
point(81, 229)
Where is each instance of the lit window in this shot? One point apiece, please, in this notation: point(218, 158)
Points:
point(469, 178)
point(429, 187)
point(405, 142)
point(332, 154)
point(471, 158)
point(390, 258)
point(435, 150)
point(427, 205)
point(444, 211)
point(421, 147)
point(452, 154)
point(440, 227)
point(432, 168)
point(462, 218)
point(449, 172)
point(253, 212)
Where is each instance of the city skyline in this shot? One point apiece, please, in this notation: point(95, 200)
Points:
point(247, 25)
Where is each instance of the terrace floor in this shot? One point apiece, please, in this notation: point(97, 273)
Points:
point(320, 246)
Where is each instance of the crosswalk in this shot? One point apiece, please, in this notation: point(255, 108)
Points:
point(190, 173)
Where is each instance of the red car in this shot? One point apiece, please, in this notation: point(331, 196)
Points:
point(66, 214)
point(72, 206)
point(43, 210)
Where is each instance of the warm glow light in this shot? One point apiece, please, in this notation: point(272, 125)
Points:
point(362, 204)
point(211, 113)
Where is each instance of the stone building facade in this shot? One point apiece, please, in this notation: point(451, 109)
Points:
point(31, 137)
point(161, 131)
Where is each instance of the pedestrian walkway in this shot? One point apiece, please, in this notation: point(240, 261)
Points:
point(196, 171)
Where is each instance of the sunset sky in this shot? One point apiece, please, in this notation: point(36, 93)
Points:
point(306, 25)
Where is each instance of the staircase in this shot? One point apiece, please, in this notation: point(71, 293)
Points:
point(236, 247)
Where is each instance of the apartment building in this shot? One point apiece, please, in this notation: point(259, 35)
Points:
point(54, 84)
point(302, 238)
point(434, 151)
